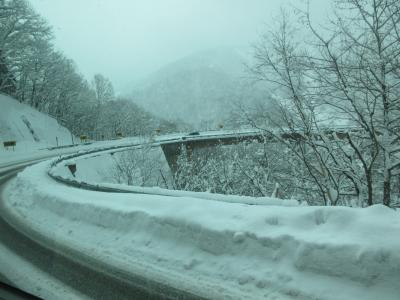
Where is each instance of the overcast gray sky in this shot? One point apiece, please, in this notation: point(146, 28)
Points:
point(128, 39)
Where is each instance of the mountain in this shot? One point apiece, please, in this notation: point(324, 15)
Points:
point(199, 89)
point(30, 128)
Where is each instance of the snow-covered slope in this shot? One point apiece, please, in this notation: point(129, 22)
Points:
point(30, 128)
point(199, 89)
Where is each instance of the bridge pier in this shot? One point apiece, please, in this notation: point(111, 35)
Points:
point(172, 151)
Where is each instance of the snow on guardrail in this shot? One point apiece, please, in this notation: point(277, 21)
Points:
point(58, 168)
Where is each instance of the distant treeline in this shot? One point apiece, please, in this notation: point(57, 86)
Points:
point(32, 71)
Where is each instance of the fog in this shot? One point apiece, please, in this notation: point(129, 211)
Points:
point(127, 40)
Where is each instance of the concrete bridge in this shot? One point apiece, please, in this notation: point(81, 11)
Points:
point(173, 149)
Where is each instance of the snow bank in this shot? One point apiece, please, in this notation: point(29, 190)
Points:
point(29, 127)
point(216, 249)
point(203, 195)
point(94, 170)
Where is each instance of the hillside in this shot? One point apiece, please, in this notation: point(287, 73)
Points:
point(200, 89)
point(29, 127)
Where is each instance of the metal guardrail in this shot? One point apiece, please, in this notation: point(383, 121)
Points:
point(94, 187)
point(159, 142)
point(120, 148)
point(100, 188)
point(128, 189)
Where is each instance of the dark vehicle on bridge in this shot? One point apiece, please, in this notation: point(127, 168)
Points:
point(194, 133)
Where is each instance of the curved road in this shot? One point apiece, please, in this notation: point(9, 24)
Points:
point(85, 275)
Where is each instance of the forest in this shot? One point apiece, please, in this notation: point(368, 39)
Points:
point(35, 73)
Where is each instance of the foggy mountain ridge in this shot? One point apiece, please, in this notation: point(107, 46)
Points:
point(198, 89)
point(227, 60)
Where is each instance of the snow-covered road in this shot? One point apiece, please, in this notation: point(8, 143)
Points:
point(37, 266)
point(214, 249)
point(218, 250)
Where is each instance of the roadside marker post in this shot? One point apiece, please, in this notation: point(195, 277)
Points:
point(8, 144)
point(72, 169)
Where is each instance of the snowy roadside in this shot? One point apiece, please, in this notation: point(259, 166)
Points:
point(9, 157)
point(32, 277)
point(91, 168)
point(89, 165)
point(216, 249)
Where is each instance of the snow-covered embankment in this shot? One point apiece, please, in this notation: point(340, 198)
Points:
point(217, 249)
point(30, 128)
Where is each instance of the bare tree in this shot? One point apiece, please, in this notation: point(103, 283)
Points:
point(141, 167)
point(281, 60)
point(103, 88)
point(349, 71)
point(357, 69)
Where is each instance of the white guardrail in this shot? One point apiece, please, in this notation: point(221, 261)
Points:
point(120, 188)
